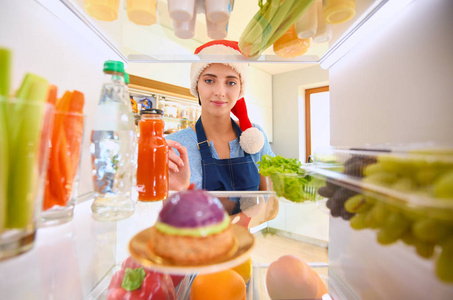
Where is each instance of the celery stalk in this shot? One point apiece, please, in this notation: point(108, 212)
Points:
point(267, 27)
point(294, 14)
point(24, 149)
point(258, 30)
point(5, 77)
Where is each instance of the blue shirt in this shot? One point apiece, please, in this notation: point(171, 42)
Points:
point(188, 138)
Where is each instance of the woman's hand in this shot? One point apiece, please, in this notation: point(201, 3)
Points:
point(179, 168)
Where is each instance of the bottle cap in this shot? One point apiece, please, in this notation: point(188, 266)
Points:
point(126, 78)
point(114, 66)
point(151, 111)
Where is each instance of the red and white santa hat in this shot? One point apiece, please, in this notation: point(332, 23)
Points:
point(251, 139)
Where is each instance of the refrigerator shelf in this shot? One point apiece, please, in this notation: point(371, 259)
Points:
point(414, 179)
point(255, 287)
point(402, 195)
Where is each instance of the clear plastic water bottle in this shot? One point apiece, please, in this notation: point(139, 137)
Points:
point(112, 149)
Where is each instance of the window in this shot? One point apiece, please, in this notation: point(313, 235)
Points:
point(317, 120)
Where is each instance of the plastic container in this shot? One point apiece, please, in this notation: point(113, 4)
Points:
point(172, 109)
point(152, 171)
point(103, 10)
point(218, 11)
point(323, 29)
point(190, 112)
point(185, 30)
point(404, 196)
point(338, 11)
point(306, 25)
point(198, 110)
point(142, 12)
point(289, 45)
point(23, 162)
point(181, 10)
point(62, 178)
point(217, 31)
point(295, 188)
point(112, 156)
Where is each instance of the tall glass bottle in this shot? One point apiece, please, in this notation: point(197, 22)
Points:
point(152, 171)
point(112, 149)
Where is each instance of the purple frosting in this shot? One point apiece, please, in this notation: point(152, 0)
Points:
point(192, 209)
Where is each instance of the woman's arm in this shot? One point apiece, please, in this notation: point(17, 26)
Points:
point(263, 183)
point(179, 167)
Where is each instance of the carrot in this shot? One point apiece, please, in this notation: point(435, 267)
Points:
point(66, 145)
point(52, 94)
point(77, 102)
point(63, 103)
point(54, 188)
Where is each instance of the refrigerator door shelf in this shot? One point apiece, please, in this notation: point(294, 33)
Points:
point(403, 197)
point(158, 43)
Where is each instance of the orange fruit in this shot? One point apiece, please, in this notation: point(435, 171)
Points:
point(245, 270)
point(225, 285)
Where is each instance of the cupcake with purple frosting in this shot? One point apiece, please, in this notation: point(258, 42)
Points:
point(193, 228)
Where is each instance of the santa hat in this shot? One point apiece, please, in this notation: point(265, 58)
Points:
point(251, 139)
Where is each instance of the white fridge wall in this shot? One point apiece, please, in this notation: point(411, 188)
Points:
point(396, 86)
point(45, 45)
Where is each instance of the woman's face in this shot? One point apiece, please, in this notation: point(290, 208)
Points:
point(218, 87)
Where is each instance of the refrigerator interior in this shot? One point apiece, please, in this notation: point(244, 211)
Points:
point(393, 88)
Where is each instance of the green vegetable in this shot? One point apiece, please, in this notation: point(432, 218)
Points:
point(272, 20)
point(288, 179)
point(25, 123)
point(5, 78)
point(133, 279)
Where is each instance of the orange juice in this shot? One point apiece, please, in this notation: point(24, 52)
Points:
point(103, 10)
point(152, 164)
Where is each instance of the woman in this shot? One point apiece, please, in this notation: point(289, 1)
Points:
point(211, 155)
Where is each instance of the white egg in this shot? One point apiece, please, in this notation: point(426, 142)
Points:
point(289, 277)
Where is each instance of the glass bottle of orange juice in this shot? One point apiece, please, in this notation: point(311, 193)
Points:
point(152, 169)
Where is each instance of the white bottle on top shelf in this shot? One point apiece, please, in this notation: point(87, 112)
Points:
point(181, 10)
point(217, 31)
point(218, 11)
point(323, 30)
point(306, 25)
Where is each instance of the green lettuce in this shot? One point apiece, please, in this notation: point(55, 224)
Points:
point(288, 178)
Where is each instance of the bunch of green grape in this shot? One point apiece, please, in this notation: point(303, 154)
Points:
point(428, 229)
point(336, 193)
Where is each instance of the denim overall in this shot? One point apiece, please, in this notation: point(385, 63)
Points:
point(232, 174)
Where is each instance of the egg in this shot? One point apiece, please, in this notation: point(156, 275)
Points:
point(289, 277)
point(322, 289)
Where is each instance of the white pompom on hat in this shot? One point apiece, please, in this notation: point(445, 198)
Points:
point(251, 139)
